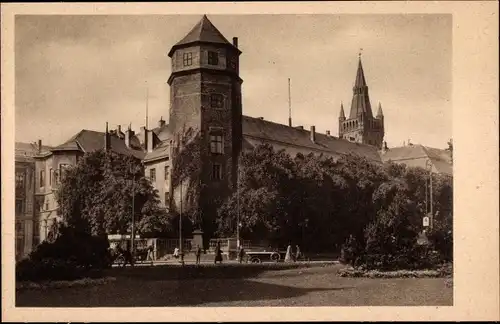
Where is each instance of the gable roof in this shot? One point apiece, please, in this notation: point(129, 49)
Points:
point(273, 132)
point(160, 152)
point(88, 141)
point(416, 155)
point(205, 32)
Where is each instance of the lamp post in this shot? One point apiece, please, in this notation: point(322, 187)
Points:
point(181, 250)
point(132, 237)
point(431, 214)
point(238, 205)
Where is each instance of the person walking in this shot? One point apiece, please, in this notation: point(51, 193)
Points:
point(297, 253)
point(198, 254)
point(176, 252)
point(241, 254)
point(150, 254)
point(288, 255)
point(218, 254)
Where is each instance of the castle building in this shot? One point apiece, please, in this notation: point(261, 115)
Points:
point(194, 158)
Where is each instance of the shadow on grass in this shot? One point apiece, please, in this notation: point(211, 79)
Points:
point(128, 292)
point(204, 271)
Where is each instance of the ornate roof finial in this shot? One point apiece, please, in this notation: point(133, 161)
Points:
point(360, 52)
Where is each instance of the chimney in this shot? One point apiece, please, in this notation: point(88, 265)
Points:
point(149, 142)
point(328, 133)
point(143, 137)
point(161, 123)
point(261, 118)
point(313, 134)
point(128, 136)
point(235, 42)
point(39, 146)
point(385, 146)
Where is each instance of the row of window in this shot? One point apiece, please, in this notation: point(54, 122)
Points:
point(216, 173)
point(152, 173)
point(213, 58)
point(54, 177)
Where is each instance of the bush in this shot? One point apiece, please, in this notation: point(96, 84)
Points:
point(72, 255)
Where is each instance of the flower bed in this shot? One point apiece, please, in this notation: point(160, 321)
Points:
point(63, 284)
point(443, 272)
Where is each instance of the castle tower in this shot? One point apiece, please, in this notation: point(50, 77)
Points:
point(361, 126)
point(205, 117)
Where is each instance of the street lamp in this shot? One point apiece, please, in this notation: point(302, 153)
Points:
point(181, 250)
point(431, 220)
point(238, 204)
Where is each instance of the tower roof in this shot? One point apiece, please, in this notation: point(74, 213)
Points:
point(203, 32)
point(380, 113)
point(360, 76)
point(342, 115)
point(360, 99)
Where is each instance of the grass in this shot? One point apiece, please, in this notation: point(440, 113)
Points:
point(259, 286)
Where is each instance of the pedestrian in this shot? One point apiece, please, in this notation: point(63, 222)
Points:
point(288, 255)
point(218, 254)
point(241, 254)
point(128, 256)
point(198, 254)
point(176, 252)
point(297, 253)
point(150, 254)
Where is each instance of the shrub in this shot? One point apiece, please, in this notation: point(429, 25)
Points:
point(72, 255)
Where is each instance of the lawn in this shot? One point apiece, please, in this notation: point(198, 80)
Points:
point(311, 286)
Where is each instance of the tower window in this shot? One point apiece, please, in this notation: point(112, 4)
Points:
point(216, 100)
point(216, 171)
point(166, 172)
point(42, 178)
point(216, 144)
point(152, 174)
point(166, 198)
point(187, 59)
point(213, 58)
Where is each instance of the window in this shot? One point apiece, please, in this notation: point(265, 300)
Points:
point(42, 178)
point(152, 174)
point(166, 198)
point(216, 144)
point(19, 206)
point(187, 59)
point(51, 173)
point(36, 233)
point(46, 205)
point(213, 58)
point(216, 101)
point(20, 182)
point(216, 171)
point(166, 172)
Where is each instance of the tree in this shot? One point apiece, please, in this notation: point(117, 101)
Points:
point(96, 196)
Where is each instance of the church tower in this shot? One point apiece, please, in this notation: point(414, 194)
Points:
point(205, 117)
point(361, 126)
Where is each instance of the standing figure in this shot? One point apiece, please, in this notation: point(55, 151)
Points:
point(128, 256)
point(288, 255)
point(198, 254)
point(150, 254)
point(176, 252)
point(218, 253)
point(297, 253)
point(241, 254)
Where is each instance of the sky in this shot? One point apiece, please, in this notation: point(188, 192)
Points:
point(79, 72)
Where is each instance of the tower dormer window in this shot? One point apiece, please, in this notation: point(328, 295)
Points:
point(213, 58)
point(216, 100)
point(187, 59)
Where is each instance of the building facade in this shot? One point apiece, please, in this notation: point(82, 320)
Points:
point(194, 158)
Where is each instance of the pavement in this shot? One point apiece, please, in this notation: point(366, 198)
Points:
point(192, 261)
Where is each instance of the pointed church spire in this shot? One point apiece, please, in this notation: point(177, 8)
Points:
point(360, 104)
point(360, 75)
point(342, 114)
point(380, 113)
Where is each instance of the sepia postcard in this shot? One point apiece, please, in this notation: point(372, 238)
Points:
point(250, 161)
